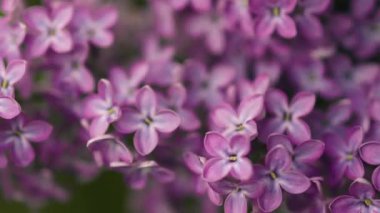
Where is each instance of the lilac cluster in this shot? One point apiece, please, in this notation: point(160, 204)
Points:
point(256, 105)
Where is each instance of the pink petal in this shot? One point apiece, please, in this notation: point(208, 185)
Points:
point(302, 104)
point(224, 116)
point(376, 178)
point(370, 152)
point(37, 131)
point(287, 28)
point(145, 140)
point(294, 182)
point(194, 162)
point(240, 145)
point(106, 17)
point(215, 40)
point(189, 121)
point(355, 138)
point(276, 102)
point(235, 202)
point(94, 106)
point(177, 94)
point(242, 169)
point(271, 198)
point(9, 108)
point(178, 4)
point(299, 131)
point(251, 107)
point(62, 42)
point(345, 203)
point(130, 121)
point(105, 90)
point(201, 5)
point(355, 169)
point(216, 169)
point(102, 38)
point(274, 125)
point(279, 139)
point(265, 26)
point(22, 153)
point(221, 75)
point(138, 72)
point(62, 16)
point(37, 18)
point(277, 158)
point(146, 100)
point(38, 46)
point(16, 70)
point(98, 126)
point(215, 144)
point(166, 121)
point(309, 151)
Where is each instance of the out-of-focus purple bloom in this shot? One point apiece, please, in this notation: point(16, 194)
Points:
point(137, 174)
point(48, 29)
point(361, 9)
point(273, 15)
point(93, 26)
point(9, 108)
point(146, 120)
point(288, 115)
point(109, 151)
point(17, 137)
point(277, 174)
point(360, 199)
point(308, 23)
point(370, 153)
point(101, 109)
point(200, 5)
point(11, 37)
point(304, 154)
point(175, 100)
point(344, 154)
point(126, 84)
point(258, 87)
point(10, 75)
point(227, 157)
point(237, 194)
point(239, 122)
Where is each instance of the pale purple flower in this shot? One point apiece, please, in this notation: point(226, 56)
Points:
point(273, 15)
point(11, 38)
point(94, 25)
point(258, 87)
point(227, 157)
point(240, 121)
point(10, 75)
point(199, 5)
point(288, 116)
point(48, 29)
point(305, 17)
point(109, 151)
point(146, 120)
point(361, 199)
point(126, 83)
point(370, 153)
point(237, 193)
point(344, 154)
point(101, 109)
point(175, 100)
point(277, 174)
point(73, 71)
point(136, 175)
point(164, 18)
point(17, 137)
point(303, 155)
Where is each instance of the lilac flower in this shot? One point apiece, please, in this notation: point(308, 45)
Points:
point(175, 100)
point(200, 5)
point(227, 157)
point(344, 154)
point(305, 12)
point(274, 15)
point(302, 155)
point(288, 116)
point(94, 25)
point(11, 38)
point(126, 84)
point(146, 120)
point(360, 199)
point(17, 137)
point(10, 75)
point(137, 174)
point(369, 152)
point(258, 87)
point(241, 122)
point(72, 70)
point(109, 151)
point(276, 175)
point(9, 108)
point(237, 194)
point(48, 29)
point(196, 164)
point(101, 109)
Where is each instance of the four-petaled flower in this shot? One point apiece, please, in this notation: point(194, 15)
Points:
point(10, 75)
point(227, 157)
point(146, 120)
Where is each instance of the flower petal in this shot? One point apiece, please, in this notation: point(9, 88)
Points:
point(276, 102)
point(242, 169)
point(251, 107)
point(287, 28)
point(224, 116)
point(146, 100)
point(277, 158)
point(299, 131)
point(130, 121)
point(62, 42)
point(240, 145)
point(376, 178)
point(355, 138)
point(9, 108)
point(271, 198)
point(355, 169)
point(16, 70)
point(302, 104)
point(215, 144)
point(37, 131)
point(62, 16)
point(309, 151)
point(22, 153)
point(370, 152)
point(235, 202)
point(294, 182)
point(98, 126)
point(166, 121)
point(345, 203)
point(145, 140)
point(216, 169)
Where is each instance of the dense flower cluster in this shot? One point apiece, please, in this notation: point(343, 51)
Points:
point(255, 105)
